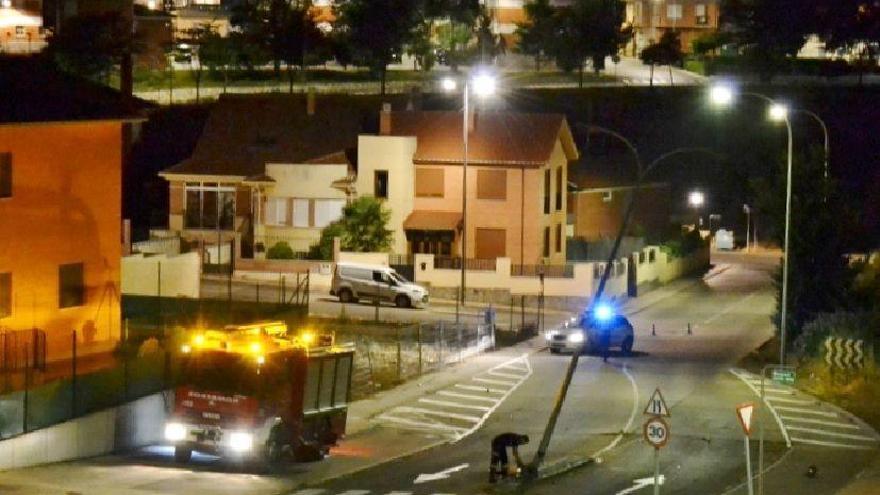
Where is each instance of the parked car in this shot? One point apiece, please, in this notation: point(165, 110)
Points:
point(587, 332)
point(355, 281)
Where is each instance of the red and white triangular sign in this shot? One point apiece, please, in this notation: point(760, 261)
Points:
point(745, 412)
point(657, 405)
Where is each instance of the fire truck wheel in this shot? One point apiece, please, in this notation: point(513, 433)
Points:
point(345, 296)
point(401, 301)
point(182, 454)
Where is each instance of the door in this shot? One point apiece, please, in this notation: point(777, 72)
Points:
point(382, 285)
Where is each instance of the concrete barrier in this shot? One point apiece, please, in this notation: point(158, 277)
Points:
point(131, 425)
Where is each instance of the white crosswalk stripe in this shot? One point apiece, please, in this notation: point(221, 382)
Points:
point(324, 491)
point(806, 420)
point(461, 408)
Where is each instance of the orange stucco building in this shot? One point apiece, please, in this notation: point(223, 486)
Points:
point(60, 214)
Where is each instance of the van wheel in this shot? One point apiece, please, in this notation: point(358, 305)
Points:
point(401, 301)
point(345, 296)
point(182, 454)
point(627, 346)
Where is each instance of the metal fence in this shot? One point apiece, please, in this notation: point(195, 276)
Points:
point(549, 271)
point(471, 264)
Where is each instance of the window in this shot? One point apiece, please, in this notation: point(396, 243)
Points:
point(547, 191)
point(5, 175)
point(491, 244)
point(700, 14)
point(71, 287)
point(429, 182)
point(559, 189)
point(607, 197)
point(673, 11)
point(380, 184)
point(546, 242)
point(301, 213)
point(328, 210)
point(209, 205)
point(558, 237)
point(276, 211)
point(491, 184)
point(5, 294)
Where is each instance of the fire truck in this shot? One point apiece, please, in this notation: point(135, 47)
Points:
point(260, 392)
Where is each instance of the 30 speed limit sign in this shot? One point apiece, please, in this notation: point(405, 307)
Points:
point(656, 432)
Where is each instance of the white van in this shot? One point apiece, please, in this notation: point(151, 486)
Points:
point(354, 281)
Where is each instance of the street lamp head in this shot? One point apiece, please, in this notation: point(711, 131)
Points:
point(696, 199)
point(721, 95)
point(448, 84)
point(778, 112)
point(484, 84)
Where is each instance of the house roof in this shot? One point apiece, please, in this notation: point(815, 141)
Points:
point(432, 220)
point(33, 91)
point(245, 132)
point(498, 138)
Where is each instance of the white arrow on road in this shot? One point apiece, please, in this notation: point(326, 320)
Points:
point(442, 475)
point(641, 483)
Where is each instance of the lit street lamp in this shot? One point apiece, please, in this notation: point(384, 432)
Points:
point(482, 84)
point(696, 199)
point(777, 112)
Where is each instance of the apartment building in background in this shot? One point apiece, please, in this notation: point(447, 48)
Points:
point(651, 18)
point(61, 152)
point(21, 26)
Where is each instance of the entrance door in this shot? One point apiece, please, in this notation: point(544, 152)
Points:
point(490, 244)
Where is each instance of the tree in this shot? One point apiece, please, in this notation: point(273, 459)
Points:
point(853, 25)
point(421, 47)
point(265, 25)
point(217, 53)
point(92, 46)
point(487, 41)
point(536, 34)
point(818, 277)
point(769, 31)
point(589, 30)
point(376, 31)
point(302, 43)
point(667, 52)
point(362, 228)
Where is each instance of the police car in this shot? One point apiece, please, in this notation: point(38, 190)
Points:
point(590, 331)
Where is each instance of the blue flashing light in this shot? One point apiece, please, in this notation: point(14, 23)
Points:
point(603, 312)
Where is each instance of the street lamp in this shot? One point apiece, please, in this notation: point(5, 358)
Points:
point(724, 96)
point(748, 211)
point(483, 85)
point(696, 199)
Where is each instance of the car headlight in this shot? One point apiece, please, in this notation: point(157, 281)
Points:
point(175, 432)
point(576, 338)
point(549, 335)
point(240, 441)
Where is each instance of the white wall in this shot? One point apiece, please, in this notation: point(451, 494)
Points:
point(180, 275)
point(394, 154)
point(135, 424)
point(366, 258)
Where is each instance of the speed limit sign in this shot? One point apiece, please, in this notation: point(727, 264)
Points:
point(656, 432)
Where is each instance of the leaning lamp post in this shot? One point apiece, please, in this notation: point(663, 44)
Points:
point(722, 95)
point(482, 84)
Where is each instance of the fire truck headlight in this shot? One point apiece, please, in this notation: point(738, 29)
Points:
point(240, 441)
point(175, 432)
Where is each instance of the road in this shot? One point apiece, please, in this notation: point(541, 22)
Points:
point(451, 424)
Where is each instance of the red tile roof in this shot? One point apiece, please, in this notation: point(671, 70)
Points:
point(498, 138)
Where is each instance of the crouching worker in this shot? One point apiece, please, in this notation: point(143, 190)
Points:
point(499, 463)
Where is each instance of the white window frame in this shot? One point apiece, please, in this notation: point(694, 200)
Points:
point(276, 211)
point(300, 216)
point(674, 11)
point(332, 216)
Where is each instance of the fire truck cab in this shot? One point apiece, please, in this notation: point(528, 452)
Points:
point(258, 392)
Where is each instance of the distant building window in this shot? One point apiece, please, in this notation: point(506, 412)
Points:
point(380, 184)
point(328, 210)
point(546, 242)
point(276, 211)
point(301, 214)
point(491, 184)
point(5, 175)
point(547, 191)
point(700, 14)
point(607, 197)
point(209, 205)
point(429, 182)
point(5, 294)
point(559, 189)
point(673, 11)
point(71, 286)
point(558, 237)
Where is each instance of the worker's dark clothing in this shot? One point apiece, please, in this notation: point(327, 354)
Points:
point(499, 461)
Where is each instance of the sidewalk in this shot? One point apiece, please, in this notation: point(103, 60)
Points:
point(867, 482)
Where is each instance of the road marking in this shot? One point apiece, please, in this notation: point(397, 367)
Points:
point(309, 491)
point(803, 410)
point(642, 483)
point(821, 422)
point(787, 400)
point(442, 475)
point(434, 412)
point(505, 375)
point(421, 424)
point(632, 416)
point(477, 388)
point(453, 404)
point(494, 382)
point(355, 492)
point(466, 396)
point(827, 433)
point(730, 307)
point(524, 359)
point(745, 379)
point(832, 444)
point(777, 391)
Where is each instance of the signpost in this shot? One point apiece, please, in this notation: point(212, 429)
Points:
point(745, 413)
point(656, 431)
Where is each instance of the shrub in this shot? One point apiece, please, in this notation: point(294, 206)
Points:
point(845, 324)
point(280, 251)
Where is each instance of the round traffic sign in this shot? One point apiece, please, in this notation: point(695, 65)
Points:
point(656, 432)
